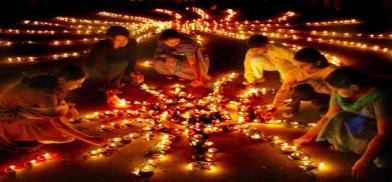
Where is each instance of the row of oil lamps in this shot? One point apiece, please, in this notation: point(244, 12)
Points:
point(39, 159)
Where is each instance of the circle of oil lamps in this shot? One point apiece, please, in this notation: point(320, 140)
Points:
point(195, 142)
point(210, 158)
point(311, 124)
point(10, 169)
point(295, 124)
point(30, 163)
point(158, 127)
point(297, 155)
point(126, 123)
point(148, 136)
point(287, 115)
point(127, 138)
point(257, 120)
point(308, 165)
point(146, 170)
point(44, 157)
point(94, 152)
point(117, 139)
point(177, 131)
point(208, 130)
point(201, 165)
point(106, 127)
point(256, 135)
point(208, 143)
point(115, 144)
point(287, 149)
point(154, 162)
point(212, 150)
point(275, 139)
point(274, 121)
point(157, 156)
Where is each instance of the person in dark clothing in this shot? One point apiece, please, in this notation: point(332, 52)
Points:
point(113, 60)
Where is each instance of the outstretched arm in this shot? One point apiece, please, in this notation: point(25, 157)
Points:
point(283, 93)
point(60, 125)
point(376, 144)
point(374, 147)
point(312, 133)
point(192, 61)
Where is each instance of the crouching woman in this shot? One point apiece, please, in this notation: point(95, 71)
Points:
point(34, 110)
point(359, 120)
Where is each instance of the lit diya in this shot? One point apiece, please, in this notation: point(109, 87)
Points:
point(146, 170)
point(30, 163)
point(154, 162)
point(297, 155)
point(308, 165)
point(212, 150)
point(44, 157)
point(287, 149)
point(208, 144)
point(10, 169)
point(312, 124)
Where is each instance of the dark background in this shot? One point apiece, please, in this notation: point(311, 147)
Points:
point(378, 12)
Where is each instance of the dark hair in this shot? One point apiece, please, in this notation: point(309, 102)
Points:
point(50, 82)
point(257, 41)
point(345, 77)
point(169, 34)
point(312, 56)
point(117, 30)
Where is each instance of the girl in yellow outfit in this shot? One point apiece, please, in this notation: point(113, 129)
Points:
point(263, 56)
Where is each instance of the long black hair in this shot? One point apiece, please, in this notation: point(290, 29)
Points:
point(311, 56)
point(345, 77)
point(50, 81)
point(117, 30)
point(257, 41)
point(170, 34)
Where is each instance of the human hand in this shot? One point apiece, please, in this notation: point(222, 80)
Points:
point(305, 138)
point(71, 114)
point(74, 112)
point(360, 168)
point(137, 77)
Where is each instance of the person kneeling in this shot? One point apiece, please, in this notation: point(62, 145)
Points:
point(180, 56)
point(113, 60)
point(34, 110)
point(358, 120)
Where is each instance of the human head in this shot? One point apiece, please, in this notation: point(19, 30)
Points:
point(170, 37)
point(119, 35)
point(258, 43)
point(70, 77)
point(348, 82)
point(310, 59)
